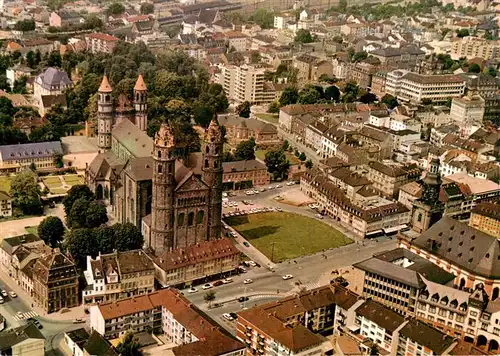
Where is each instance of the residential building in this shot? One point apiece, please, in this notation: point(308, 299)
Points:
point(377, 139)
point(81, 343)
point(10, 247)
point(23, 340)
point(394, 278)
point(485, 86)
point(16, 72)
point(475, 47)
point(244, 174)
point(281, 21)
point(246, 83)
point(55, 281)
point(100, 42)
point(362, 73)
point(63, 18)
point(240, 129)
point(408, 193)
point(467, 110)
point(314, 135)
point(5, 204)
point(236, 40)
point(167, 312)
point(438, 134)
point(391, 56)
point(365, 218)
point(46, 102)
point(118, 275)
point(311, 68)
point(389, 178)
point(51, 82)
point(21, 156)
point(414, 88)
point(217, 258)
point(485, 217)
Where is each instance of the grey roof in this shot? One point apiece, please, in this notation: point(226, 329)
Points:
point(382, 264)
point(253, 124)
point(427, 336)
point(381, 315)
point(12, 337)
point(53, 77)
point(242, 166)
point(462, 245)
point(30, 150)
point(78, 336)
point(103, 162)
point(97, 345)
point(137, 142)
point(140, 168)
point(9, 243)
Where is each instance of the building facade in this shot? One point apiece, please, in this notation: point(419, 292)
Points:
point(14, 158)
point(5, 204)
point(100, 42)
point(246, 83)
point(474, 47)
point(244, 174)
point(485, 217)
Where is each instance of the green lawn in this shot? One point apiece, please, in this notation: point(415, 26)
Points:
point(271, 118)
point(32, 230)
point(58, 190)
point(261, 154)
point(293, 235)
point(51, 182)
point(73, 179)
point(5, 183)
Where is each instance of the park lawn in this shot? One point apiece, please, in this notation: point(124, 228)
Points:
point(73, 179)
point(51, 182)
point(271, 118)
point(32, 230)
point(261, 154)
point(5, 183)
point(293, 235)
point(58, 190)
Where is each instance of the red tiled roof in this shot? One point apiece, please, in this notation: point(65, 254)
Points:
point(102, 36)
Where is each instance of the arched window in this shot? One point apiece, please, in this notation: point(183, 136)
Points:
point(137, 97)
point(107, 98)
point(207, 149)
point(190, 219)
point(99, 192)
point(199, 217)
point(206, 163)
point(419, 218)
point(216, 164)
point(159, 168)
point(180, 219)
point(159, 154)
point(216, 150)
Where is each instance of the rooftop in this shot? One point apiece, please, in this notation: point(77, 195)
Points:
point(490, 210)
point(476, 185)
point(381, 315)
point(30, 150)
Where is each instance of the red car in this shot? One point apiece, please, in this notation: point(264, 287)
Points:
point(218, 283)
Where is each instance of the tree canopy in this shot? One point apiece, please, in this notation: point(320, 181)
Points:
point(26, 193)
point(277, 164)
point(51, 230)
point(147, 8)
point(263, 18)
point(243, 109)
point(303, 36)
point(25, 25)
point(129, 346)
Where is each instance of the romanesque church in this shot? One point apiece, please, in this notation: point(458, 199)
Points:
point(176, 203)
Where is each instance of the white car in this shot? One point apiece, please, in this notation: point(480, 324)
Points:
point(12, 294)
point(256, 191)
point(249, 192)
point(192, 290)
point(247, 281)
point(227, 317)
point(278, 185)
point(224, 194)
point(287, 276)
point(207, 286)
point(290, 183)
point(4, 293)
point(227, 280)
point(318, 216)
point(1, 300)
point(313, 206)
point(252, 263)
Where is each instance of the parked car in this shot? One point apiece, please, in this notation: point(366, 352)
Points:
point(36, 322)
point(207, 286)
point(318, 216)
point(242, 299)
point(287, 276)
point(218, 283)
point(227, 280)
point(249, 192)
point(192, 290)
point(234, 315)
point(247, 281)
point(227, 316)
point(252, 263)
point(4, 293)
point(1, 300)
point(12, 294)
point(242, 269)
point(246, 244)
point(290, 183)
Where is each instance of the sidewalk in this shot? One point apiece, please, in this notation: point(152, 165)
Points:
point(251, 251)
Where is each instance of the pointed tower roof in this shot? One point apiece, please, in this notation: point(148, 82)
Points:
point(105, 87)
point(214, 131)
point(139, 84)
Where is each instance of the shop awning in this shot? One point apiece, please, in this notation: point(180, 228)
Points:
point(395, 228)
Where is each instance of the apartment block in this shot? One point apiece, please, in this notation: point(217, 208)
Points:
point(169, 313)
point(246, 83)
point(414, 88)
point(5, 204)
point(18, 157)
point(100, 42)
point(118, 275)
point(389, 178)
point(485, 217)
point(474, 47)
point(244, 174)
point(467, 110)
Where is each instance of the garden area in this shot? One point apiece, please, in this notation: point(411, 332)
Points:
point(291, 234)
point(5, 182)
point(271, 118)
point(61, 184)
point(261, 154)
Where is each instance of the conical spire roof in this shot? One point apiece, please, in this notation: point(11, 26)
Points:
point(214, 131)
point(105, 87)
point(139, 84)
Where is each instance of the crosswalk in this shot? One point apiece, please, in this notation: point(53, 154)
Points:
point(24, 316)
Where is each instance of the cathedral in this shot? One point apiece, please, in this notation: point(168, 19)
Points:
point(176, 203)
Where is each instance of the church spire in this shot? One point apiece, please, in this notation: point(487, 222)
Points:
point(105, 87)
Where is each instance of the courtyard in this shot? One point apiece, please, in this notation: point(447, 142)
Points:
point(61, 184)
point(291, 234)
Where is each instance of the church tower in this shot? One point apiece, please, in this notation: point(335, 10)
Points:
point(141, 103)
point(104, 115)
point(428, 209)
point(162, 209)
point(212, 175)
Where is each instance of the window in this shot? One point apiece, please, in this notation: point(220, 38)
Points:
point(419, 218)
point(159, 154)
point(190, 218)
point(199, 217)
point(180, 219)
point(206, 163)
point(159, 168)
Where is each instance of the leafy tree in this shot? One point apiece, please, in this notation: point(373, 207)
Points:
point(277, 164)
point(302, 156)
point(11, 135)
point(490, 71)
point(54, 59)
point(325, 78)
point(309, 95)
point(26, 193)
point(51, 230)
point(93, 22)
point(289, 96)
point(359, 56)
point(426, 101)
point(25, 25)
point(463, 32)
point(368, 98)
point(82, 243)
point(115, 8)
point(95, 214)
point(390, 101)
point(285, 146)
point(209, 297)
point(351, 91)
point(309, 164)
point(203, 115)
point(245, 150)
point(474, 68)
point(76, 192)
point(129, 346)
point(126, 237)
point(147, 8)
point(332, 93)
point(20, 85)
point(273, 107)
point(58, 159)
point(30, 59)
point(243, 109)
point(263, 18)
point(303, 36)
